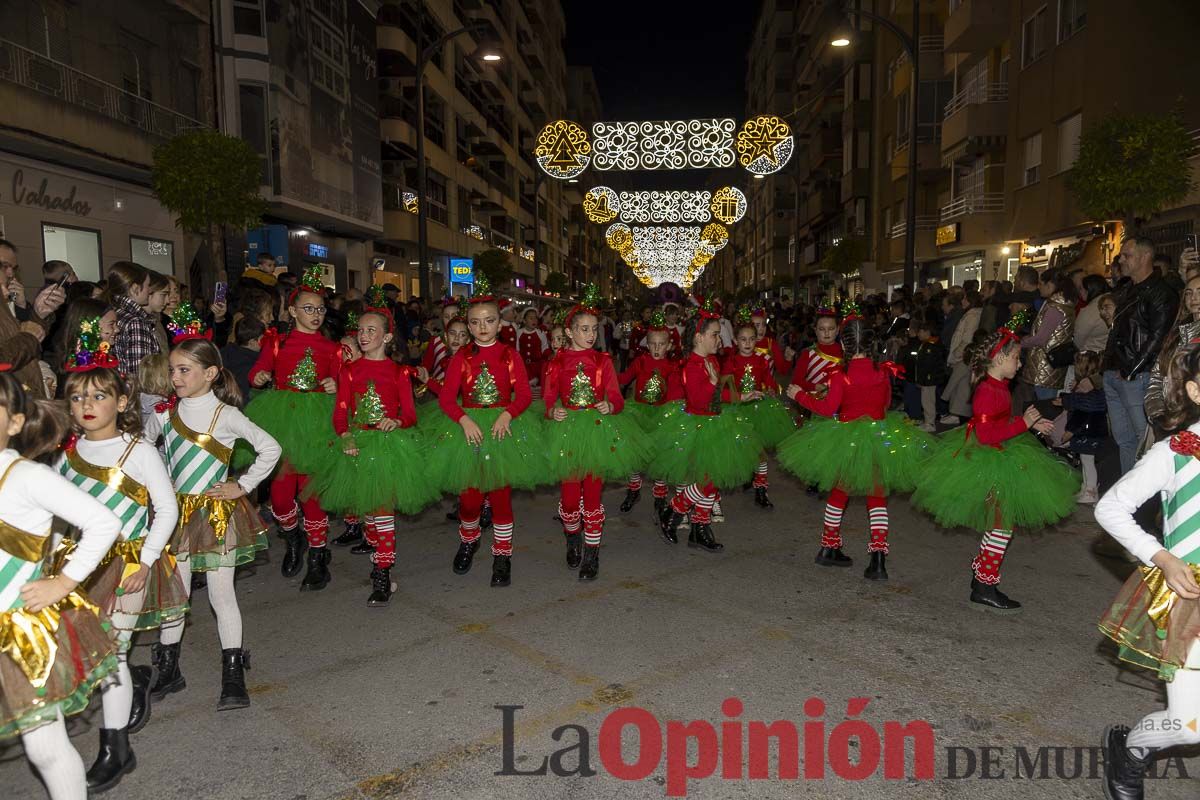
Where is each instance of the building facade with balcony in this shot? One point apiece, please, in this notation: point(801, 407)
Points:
point(88, 89)
point(481, 118)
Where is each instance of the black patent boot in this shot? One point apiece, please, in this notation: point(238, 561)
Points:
point(1124, 771)
point(701, 536)
point(452, 515)
point(464, 557)
point(833, 557)
point(362, 548)
point(659, 504)
point(574, 549)
point(590, 566)
point(165, 658)
point(760, 498)
point(501, 570)
point(139, 711)
point(317, 577)
point(114, 761)
point(631, 499)
point(668, 521)
point(877, 569)
point(293, 557)
point(352, 535)
point(234, 662)
point(990, 596)
point(485, 518)
point(382, 587)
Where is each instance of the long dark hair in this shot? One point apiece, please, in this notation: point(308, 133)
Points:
point(45, 421)
point(984, 356)
point(858, 337)
point(121, 276)
point(1179, 410)
point(206, 354)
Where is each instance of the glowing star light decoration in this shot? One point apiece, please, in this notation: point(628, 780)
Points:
point(563, 150)
point(764, 144)
point(665, 144)
point(410, 202)
point(601, 204)
point(728, 204)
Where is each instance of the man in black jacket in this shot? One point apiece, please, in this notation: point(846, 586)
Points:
point(1146, 309)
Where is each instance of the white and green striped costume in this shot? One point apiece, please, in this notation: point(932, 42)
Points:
point(112, 486)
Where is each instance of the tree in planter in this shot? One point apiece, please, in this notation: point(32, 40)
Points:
point(1132, 166)
point(210, 181)
point(557, 283)
point(495, 264)
point(846, 256)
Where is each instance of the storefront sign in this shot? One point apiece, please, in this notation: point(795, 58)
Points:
point(43, 197)
point(318, 250)
point(462, 270)
point(947, 234)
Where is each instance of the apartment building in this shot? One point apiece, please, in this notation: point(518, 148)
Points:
point(88, 89)
point(481, 118)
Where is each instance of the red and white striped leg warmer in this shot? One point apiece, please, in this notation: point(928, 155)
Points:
point(502, 538)
point(991, 555)
point(468, 529)
point(878, 513)
point(702, 504)
point(315, 530)
point(593, 527)
point(635, 482)
point(369, 531)
point(570, 519)
point(760, 475)
point(660, 489)
point(289, 520)
point(351, 519)
point(834, 508)
point(385, 540)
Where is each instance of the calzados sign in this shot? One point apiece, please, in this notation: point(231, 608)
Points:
point(41, 197)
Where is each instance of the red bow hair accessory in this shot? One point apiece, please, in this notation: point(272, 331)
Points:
point(167, 405)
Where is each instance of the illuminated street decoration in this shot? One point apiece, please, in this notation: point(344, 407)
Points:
point(665, 207)
point(601, 204)
point(474, 231)
point(619, 236)
point(666, 144)
point(563, 150)
point(715, 235)
point(764, 144)
point(728, 205)
point(410, 202)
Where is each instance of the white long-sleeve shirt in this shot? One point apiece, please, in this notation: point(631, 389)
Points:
point(33, 494)
point(197, 414)
point(144, 465)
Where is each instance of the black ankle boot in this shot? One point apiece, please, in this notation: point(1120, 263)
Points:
point(234, 661)
point(485, 518)
point(590, 565)
point(464, 557)
point(353, 535)
point(501, 570)
point(317, 577)
point(659, 504)
point(115, 760)
point(668, 521)
point(833, 557)
point(760, 498)
point(362, 548)
point(990, 596)
point(701, 536)
point(199, 582)
point(452, 515)
point(631, 498)
point(877, 569)
point(293, 557)
point(139, 712)
point(165, 658)
point(1124, 772)
point(381, 586)
point(574, 545)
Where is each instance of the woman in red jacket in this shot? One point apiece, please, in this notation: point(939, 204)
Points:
point(995, 478)
point(864, 450)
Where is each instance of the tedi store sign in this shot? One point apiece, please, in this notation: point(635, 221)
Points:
point(41, 194)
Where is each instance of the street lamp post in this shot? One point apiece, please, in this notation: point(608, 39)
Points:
point(910, 44)
point(423, 57)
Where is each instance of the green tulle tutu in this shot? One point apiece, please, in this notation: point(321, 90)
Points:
point(518, 460)
point(1019, 485)
point(302, 423)
point(387, 474)
point(603, 446)
point(644, 414)
point(770, 418)
point(859, 456)
point(693, 448)
point(428, 415)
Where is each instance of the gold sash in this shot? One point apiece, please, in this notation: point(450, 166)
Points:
point(112, 477)
point(16, 542)
point(205, 441)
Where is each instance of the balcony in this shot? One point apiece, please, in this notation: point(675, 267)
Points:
point(975, 25)
point(983, 203)
point(928, 151)
point(976, 116)
point(826, 144)
point(856, 183)
point(926, 249)
point(978, 220)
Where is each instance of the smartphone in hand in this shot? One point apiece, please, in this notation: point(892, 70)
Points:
point(221, 292)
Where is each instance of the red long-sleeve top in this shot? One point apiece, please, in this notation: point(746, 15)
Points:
point(392, 382)
point(506, 369)
point(736, 364)
point(507, 334)
point(991, 413)
point(642, 369)
point(815, 365)
point(769, 346)
point(690, 384)
point(598, 368)
point(863, 390)
point(534, 350)
point(676, 351)
point(637, 340)
point(281, 353)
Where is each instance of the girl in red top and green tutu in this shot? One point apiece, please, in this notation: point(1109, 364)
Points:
point(588, 440)
point(381, 469)
point(864, 450)
point(651, 373)
point(995, 478)
point(752, 386)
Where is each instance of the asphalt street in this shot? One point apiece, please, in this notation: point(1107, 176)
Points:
point(354, 702)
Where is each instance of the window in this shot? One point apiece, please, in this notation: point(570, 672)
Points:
point(1033, 159)
point(252, 105)
point(79, 247)
point(887, 221)
point(847, 151)
point(1068, 141)
point(1033, 38)
point(902, 117)
point(329, 62)
point(155, 254)
point(1072, 16)
point(248, 17)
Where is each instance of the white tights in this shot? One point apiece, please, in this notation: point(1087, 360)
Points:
point(116, 696)
point(57, 762)
point(222, 598)
point(1168, 728)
